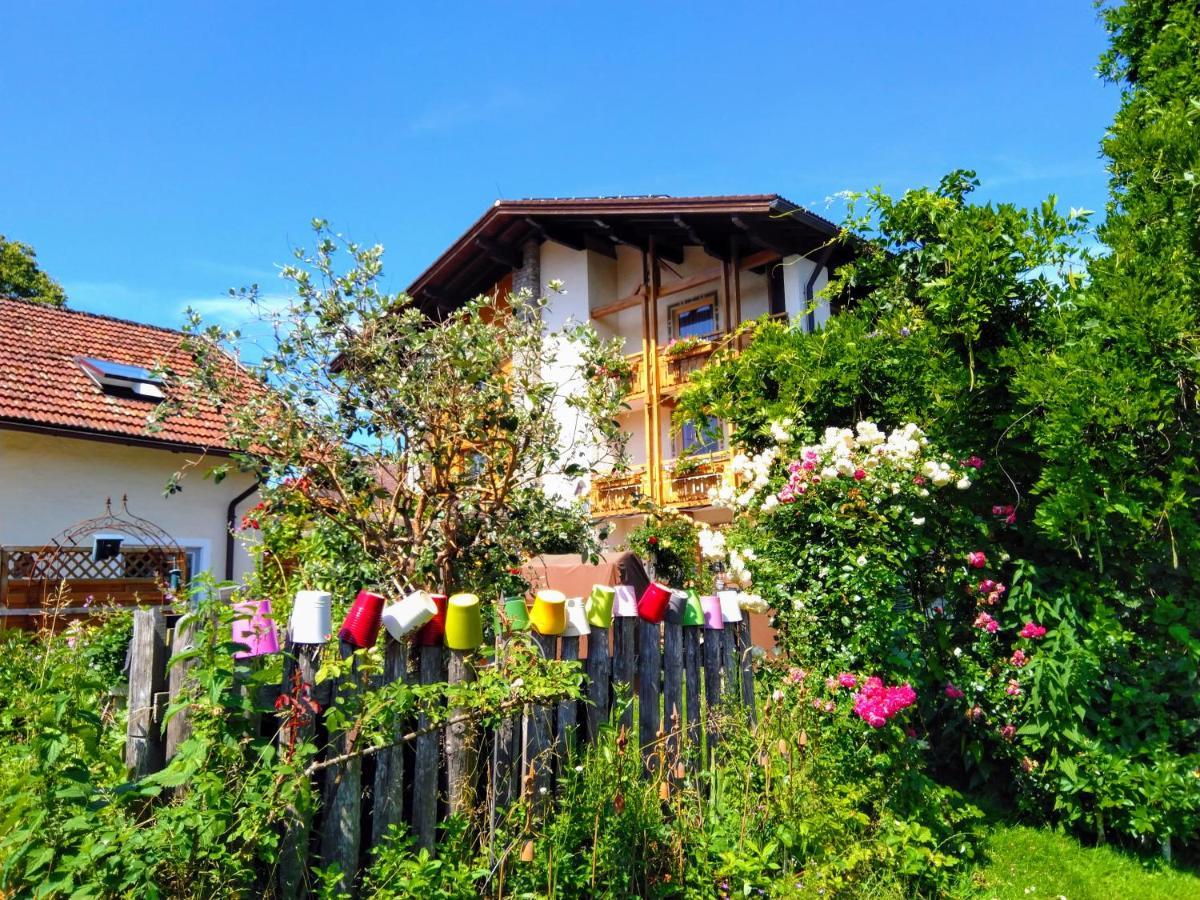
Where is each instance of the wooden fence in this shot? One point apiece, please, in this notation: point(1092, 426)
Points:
point(680, 676)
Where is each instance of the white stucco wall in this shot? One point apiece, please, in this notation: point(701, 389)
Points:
point(796, 272)
point(50, 483)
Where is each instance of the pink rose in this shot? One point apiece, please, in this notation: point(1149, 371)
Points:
point(987, 623)
point(1019, 659)
point(796, 676)
point(974, 462)
point(846, 680)
point(1009, 733)
point(808, 465)
point(1010, 519)
point(976, 559)
point(1013, 689)
point(975, 713)
point(859, 474)
point(953, 692)
point(1032, 631)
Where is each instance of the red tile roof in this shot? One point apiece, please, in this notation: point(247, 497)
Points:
point(42, 387)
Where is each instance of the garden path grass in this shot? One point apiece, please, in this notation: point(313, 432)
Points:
point(1037, 863)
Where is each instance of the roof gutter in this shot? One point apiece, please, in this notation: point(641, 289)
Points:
point(231, 521)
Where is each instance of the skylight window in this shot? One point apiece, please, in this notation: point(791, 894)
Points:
point(121, 379)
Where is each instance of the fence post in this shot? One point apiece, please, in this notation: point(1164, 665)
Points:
point(389, 764)
point(741, 644)
point(506, 758)
point(147, 675)
point(691, 672)
point(712, 689)
point(672, 657)
point(732, 675)
point(179, 728)
point(539, 749)
point(299, 673)
point(568, 710)
point(461, 741)
point(341, 835)
point(649, 689)
point(624, 664)
point(597, 681)
point(425, 763)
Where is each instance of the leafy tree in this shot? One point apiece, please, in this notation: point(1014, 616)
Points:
point(399, 450)
point(21, 277)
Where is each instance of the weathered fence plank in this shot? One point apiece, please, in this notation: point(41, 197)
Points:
point(692, 685)
point(712, 689)
point(389, 764)
point(598, 666)
point(147, 681)
point(624, 664)
point(568, 710)
point(649, 688)
point(341, 834)
point(672, 665)
point(462, 748)
point(299, 676)
point(432, 670)
point(506, 749)
point(179, 727)
point(539, 730)
point(741, 645)
point(732, 675)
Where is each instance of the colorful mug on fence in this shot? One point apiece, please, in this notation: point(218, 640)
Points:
point(360, 628)
point(516, 614)
point(549, 614)
point(711, 604)
point(625, 602)
point(600, 606)
point(312, 617)
point(577, 621)
point(731, 610)
point(257, 632)
point(652, 607)
point(405, 616)
point(464, 622)
point(693, 612)
point(433, 631)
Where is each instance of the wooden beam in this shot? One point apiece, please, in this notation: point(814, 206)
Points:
point(700, 242)
point(757, 238)
point(500, 254)
point(662, 249)
point(553, 234)
point(598, 244)
point(634, 299)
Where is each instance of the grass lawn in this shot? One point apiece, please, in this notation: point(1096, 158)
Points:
point(1037, 863)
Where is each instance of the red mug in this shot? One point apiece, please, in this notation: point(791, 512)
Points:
point(433, 631)
point(652, 607)
point(362, 622)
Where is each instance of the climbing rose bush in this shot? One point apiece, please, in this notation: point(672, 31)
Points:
point(875, 551)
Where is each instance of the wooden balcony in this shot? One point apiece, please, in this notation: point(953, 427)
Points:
point(690, 488)
point(637, 384)
point(676, 368)
point(615, 495)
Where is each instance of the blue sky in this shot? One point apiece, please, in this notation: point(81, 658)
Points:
point(157, 154)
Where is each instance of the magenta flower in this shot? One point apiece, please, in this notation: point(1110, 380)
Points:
point(1010, 519)
point(954, 693)
point(1032, 630)
point(987, 623)
point(1009, 733)
point(846, 680)
point(808, 465)
point(1013, 689)
point(1019, 659)
point(877, 702)
point(975, 462)
point(859, 474)
point(1001, 511)
point(976, 559)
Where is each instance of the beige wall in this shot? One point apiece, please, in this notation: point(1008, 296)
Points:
point(49, 483)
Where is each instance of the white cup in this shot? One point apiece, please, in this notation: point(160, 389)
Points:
point(577, 623)
point(406, 616)
point(731, 611)
point(311, 621)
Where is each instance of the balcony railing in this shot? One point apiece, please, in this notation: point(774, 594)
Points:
point(690, 487)
point(637, 365)
point(676, 368)
point(614, 495)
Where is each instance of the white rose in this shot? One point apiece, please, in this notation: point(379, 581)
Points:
point(963, 483)
point(918, 520)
